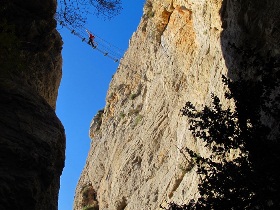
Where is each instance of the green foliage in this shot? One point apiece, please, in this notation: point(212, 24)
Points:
point(138, 92)
point(89, 200)
point(186, 167)
point(122, 115)
point(133, 96)
point(150, 14)
point(148, 4)
point(212, 123)
point(148, 10)
point(133, 112)
point(138, 119)
point(75, 12)
point(251, 180)
point(136, 110)
point(220, 130)
point(91, 207)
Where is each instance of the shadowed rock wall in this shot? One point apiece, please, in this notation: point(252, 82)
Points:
point(32, 138)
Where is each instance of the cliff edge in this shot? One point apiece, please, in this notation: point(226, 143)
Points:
point(32, 138)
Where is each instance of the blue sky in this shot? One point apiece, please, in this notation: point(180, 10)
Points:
point(85, 81)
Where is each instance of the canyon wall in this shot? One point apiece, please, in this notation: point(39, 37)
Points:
point(32, 137)
point(179, 53)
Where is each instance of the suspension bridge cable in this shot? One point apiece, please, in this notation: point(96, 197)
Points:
point(117, 52)
point(109, 44)
point(83, 38)
point(100, 47)
point(108, 49)
point(104, 47)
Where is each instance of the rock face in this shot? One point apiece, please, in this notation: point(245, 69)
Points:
point(32, 138)
point(179, 53)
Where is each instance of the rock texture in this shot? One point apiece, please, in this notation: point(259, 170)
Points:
point(32, 138)
point(178, 53)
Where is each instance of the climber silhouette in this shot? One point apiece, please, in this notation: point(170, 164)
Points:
point(91, 39)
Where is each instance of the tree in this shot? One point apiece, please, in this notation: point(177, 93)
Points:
point(251, 180)
point(75, 12)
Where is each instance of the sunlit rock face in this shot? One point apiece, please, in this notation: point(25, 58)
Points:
point(32, 138)
point(179, 53)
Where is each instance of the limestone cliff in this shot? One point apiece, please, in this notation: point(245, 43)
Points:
point(178, 53)
point(32, 138)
